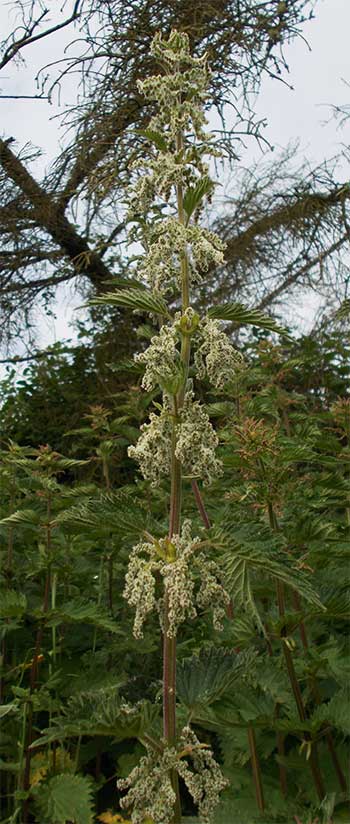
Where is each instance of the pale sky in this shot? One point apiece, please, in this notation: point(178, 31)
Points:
point(317, 77)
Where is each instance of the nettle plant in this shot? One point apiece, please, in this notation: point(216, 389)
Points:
point(172, 575)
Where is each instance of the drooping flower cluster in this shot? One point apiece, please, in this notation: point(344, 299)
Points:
point(168, 242)
point(195, 444)
point(211, 594)
point(181, 91)
point(150, 792)
point(179, 563)
point(153, 448)
point(162, 174)
point(162, 361)
point(216, 356)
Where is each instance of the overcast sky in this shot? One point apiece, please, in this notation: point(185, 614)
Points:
point(318, 78)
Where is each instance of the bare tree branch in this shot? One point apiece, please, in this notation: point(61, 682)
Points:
point(298, 275)
point(29, 37)
point(84, 260)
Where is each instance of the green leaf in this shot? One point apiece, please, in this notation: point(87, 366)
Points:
point(195, 194)
point(66, 799)
point(154, 137)
point(6, 708)
point(81, 612)
point(344, 310)
point(336, 712)
point(13, 604)
point(256, 547)
point(113, 512)
point(203, 678)
point(22, 516)
point(133, 299)
point(101, 712)
point(125, 365)
point(242, 315)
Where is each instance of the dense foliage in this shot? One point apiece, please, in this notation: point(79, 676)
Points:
point(70, 667)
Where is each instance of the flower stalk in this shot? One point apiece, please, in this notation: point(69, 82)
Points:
point(179, 442)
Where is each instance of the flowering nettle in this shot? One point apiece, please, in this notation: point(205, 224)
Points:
point(173, 575)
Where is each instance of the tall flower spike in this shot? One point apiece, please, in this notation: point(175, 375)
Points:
point(173, 575)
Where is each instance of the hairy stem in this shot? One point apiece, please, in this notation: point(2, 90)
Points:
point(281, 752)
point(169, 643)
point(259, 794)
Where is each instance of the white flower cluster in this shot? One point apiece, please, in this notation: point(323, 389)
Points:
point(139, 590)
point(216, 356)
point(179, 564)
point(202, 776)
point(206, 248)
point(153, 448)
point(162, 361)
point(212, 594)
point(166, 245)
point(182, 90)
point(169, 241)
point(162, 173)
point(150, 793)
point(196, 442)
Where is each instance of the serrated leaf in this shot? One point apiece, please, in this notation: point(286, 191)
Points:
point(243, 315)
point(22, 517)
point(140, 299)
point(195, 194)
point(66, 799)
point(101, 712)
point(203, 678)
point(237, 568)
point(113, 512)
point(154, 137)
point(81, 612)
point(126, 365)
point(336, 712)
point(242, 556)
